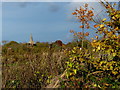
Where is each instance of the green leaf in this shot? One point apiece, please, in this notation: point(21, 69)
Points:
point(75, 71)
point(113, 86)
point(111, 67)
point(70, 64)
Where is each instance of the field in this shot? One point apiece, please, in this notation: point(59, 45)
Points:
point(26, 66)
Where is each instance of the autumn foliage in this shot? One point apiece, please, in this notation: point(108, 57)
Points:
point(99, 66)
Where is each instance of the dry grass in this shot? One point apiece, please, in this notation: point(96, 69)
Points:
point(28, 67)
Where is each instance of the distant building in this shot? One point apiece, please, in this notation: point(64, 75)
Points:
point(31, 42)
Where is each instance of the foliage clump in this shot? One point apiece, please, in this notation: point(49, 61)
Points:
point(98, 67)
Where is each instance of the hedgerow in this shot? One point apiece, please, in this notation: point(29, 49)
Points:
point(98, 67)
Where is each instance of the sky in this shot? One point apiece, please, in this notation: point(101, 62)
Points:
point(0, 21)
point(46, 21)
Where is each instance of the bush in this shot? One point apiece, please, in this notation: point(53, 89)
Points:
point(98, 67)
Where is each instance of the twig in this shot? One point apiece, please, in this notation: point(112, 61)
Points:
point(94, 73)
point(56, 83)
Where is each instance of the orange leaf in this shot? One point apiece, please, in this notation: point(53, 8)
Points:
point(75, 34)
point(87, 33)
point(91, 14)
point(116, 28)
point(90, 11)
point(74, 13)
point(80, 33)
point(76, 10)
point(82, 26)
point(88, 27)
point(95, 26)
point(71, 31)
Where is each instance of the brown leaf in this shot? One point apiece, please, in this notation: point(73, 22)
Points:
point(86, 5)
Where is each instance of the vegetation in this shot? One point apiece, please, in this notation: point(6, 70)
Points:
point(78, 64)
point(28, 66)
point(98, 67)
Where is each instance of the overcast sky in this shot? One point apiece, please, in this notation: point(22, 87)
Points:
point(46, 21)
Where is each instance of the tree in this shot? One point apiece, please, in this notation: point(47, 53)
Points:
point(98, 67)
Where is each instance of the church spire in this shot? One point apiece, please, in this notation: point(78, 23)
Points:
point(31, 40)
